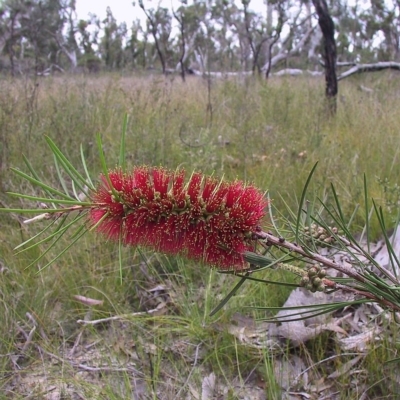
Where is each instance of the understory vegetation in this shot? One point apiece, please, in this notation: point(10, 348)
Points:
point(162, 342)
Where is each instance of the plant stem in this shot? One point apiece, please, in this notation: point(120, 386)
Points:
point(272, 240)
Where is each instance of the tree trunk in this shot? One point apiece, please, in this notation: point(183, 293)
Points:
point(328, 31)
point(182, 28)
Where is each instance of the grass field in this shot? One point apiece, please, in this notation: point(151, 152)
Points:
point(269, 133)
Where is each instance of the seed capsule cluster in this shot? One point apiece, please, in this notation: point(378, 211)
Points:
point(320, 234)
point(314, 280)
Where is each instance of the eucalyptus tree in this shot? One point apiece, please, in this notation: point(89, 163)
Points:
point(32, 33)
point(295, 20)
point(367, 30)
point(197, 36)
point(112, 42)
point(88, 31)
point(381, 28)
point(190, 20)
point(40, 29)
point(224, 35)
point(11, 31)
point(135, 47)
point(66, 39)
point(267, 33)
point(204, 40)
point(159, 24)
point(328, 30)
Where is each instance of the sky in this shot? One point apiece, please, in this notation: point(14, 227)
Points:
point(123, 10)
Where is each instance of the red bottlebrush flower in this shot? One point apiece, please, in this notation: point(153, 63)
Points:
point(205, 219)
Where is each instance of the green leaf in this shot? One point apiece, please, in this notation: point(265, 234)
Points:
point(307, 311)
point(229, 296)
point(81, 231)
point(60, 177)
point(122, 150)
point(74, 191)
point(303, 196)
point(104, 165)
point(120, 246)
point(33, 238)
point(338, 207)
point(88, 179)
point(268, 282)
point(262, 261)
point(66, 164)
point(37, 182)
point(392, 254)
point(46, 200)
point(34, 210)
point(58, 234)
point(366, 212)
point(34, 173)
point(46, 239)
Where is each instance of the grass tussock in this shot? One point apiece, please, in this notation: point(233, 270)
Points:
point(270, 133)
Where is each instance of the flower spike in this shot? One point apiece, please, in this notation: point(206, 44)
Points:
point(205, 219)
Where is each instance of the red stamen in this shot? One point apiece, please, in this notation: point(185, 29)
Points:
point(205, 220)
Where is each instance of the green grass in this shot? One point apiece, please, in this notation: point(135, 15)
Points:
point(270, 133)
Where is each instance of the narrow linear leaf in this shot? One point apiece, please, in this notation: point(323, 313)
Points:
point(77, 232)
point(33, 238)
point(122, 149)
point(341, 225)
point(44, 240)
point(74, 191)
point(83, 231)
point(271, 215)
point(296, 317)
point(34, 173)
point(308, 213)
point(354, 242)
point(69, 172)
point(57, 238)
point(34, 210)
point(366, 213)
point(228, 296)
point(46, 200)
point(60, 177)
point(352, 216)
point(60, 230)
point(104, 164)
point(69, 168)
point(88, 179)
point(303, 196)
point(40, 184)
point(288, 209)
point(313, 306)
point(303, 315)
point(267, 282)
point(121, 267)
point(338, 206)
point(392, 254)
point(30, 167)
